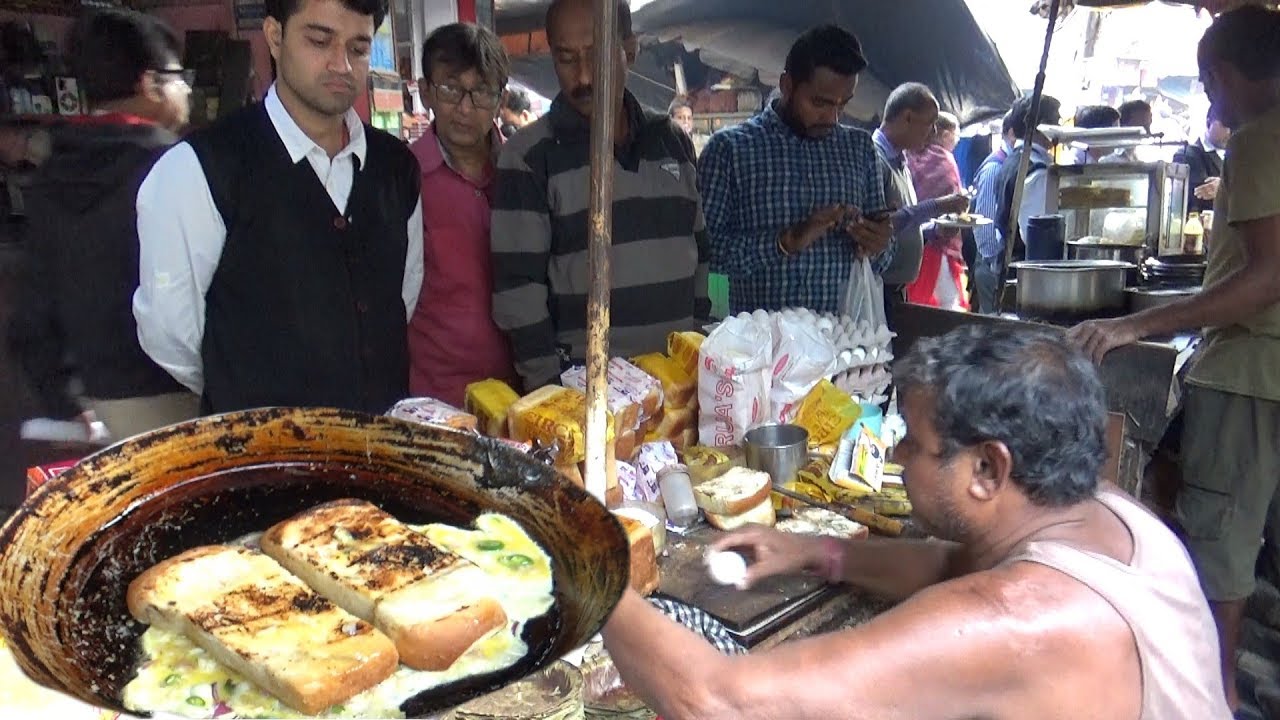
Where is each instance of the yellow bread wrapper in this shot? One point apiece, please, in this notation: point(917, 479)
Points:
point(679, 386)
point(555, 414)
point(489, 400)
point(827, 412)
point(683, 347)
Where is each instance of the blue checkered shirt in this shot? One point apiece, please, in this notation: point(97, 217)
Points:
point(759, 178)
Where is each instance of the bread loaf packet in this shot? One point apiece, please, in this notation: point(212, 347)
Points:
point(679, 387)
point(429, 411)
point(489, 400)
point(634, 395)
point(557, 416)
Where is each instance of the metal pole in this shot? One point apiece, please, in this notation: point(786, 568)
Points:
point(600, 229)
point(1024, 159)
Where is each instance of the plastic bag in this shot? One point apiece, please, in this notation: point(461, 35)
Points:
point(735, 367)
point(864, 295)
point(801, 358)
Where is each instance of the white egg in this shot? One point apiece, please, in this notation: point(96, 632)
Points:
point(744, 316)
point(846, 358)
point(727, 568)
point(859, 354)
point(760, 316)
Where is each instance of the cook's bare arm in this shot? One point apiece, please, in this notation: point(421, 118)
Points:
point(892, 569)
point(939, 656)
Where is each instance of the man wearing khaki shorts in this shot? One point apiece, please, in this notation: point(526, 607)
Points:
point(1231, 437)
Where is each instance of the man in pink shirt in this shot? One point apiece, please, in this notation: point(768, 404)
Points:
point(452, 338)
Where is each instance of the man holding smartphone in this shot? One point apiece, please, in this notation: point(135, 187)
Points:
point(791, 196)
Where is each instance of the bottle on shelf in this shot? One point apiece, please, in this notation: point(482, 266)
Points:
point(1193, 235)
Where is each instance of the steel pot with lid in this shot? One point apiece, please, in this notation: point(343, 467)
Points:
point(1071, 288)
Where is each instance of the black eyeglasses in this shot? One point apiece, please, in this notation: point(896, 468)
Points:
point(172, 75)
point(481, 98)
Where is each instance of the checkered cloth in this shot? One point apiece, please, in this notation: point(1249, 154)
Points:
point(759, 178)
point(712, 630)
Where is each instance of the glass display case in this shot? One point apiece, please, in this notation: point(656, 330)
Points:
point(1122, 203)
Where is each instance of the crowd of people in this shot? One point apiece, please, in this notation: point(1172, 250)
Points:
point(290, 254)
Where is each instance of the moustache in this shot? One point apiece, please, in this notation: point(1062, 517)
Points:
point(338, 80)
point(582, 93)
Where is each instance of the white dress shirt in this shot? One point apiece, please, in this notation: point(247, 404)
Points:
point(181, 235)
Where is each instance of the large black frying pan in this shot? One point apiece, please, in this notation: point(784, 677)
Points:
point(69, 553)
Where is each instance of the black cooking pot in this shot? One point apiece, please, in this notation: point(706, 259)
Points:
point(69, 553)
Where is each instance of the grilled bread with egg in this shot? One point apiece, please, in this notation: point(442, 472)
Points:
point(265, 624)
point(432, 603)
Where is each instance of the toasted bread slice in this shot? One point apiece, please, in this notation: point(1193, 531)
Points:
point(735, 492)
point(762, 514)
point(265, 624)
point(644, 556)
point(432, 603)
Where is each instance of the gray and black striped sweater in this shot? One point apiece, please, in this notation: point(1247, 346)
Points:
point(539, 240)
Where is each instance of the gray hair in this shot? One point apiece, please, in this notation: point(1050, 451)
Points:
point(1026, 388)
point(909, 96)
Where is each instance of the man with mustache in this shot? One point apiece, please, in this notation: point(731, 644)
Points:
point(792, 197)
point(539, 229)
point(281, 247)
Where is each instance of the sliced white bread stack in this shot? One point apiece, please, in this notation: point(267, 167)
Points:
point(738, 497)
point(256, 619)
point(434, 605)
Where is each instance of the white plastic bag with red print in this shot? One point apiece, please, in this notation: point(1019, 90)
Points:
point(735, 367)
point(801, 357)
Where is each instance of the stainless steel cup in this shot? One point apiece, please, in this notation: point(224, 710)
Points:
point(780, 450)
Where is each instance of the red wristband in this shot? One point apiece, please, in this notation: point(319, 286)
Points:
point(833, 560)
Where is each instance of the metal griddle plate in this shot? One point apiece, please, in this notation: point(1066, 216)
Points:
point(749, 615)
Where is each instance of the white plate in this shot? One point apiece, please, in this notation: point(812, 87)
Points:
point(954, 221)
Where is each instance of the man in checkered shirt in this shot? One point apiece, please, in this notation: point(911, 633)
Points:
point(791, 197)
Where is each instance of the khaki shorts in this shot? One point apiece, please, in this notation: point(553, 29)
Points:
point(1230, 471)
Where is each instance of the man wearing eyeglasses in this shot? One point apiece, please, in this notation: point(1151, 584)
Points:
point(282, 246)
point(452, 338)
point(539, 236)
point(82, 240)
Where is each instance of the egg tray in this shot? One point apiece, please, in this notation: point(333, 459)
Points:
point(69, 553)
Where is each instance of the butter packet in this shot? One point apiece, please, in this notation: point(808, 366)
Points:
point(652, 459)
point(429, 411)
point(827, 412)
point(869, 459)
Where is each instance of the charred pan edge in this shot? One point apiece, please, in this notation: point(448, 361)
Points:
point(69, 553)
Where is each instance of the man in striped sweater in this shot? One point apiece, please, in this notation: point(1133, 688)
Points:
point(539, 230)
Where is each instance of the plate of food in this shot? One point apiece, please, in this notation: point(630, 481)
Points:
point(303, 563)
point(960, 220)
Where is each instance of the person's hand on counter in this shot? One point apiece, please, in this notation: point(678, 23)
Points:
point(775, 553)
point(1099, 337)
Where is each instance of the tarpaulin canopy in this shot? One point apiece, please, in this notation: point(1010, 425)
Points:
point(936, 42)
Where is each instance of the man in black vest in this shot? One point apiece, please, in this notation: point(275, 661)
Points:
point(1203, 159)
point(282, 246)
